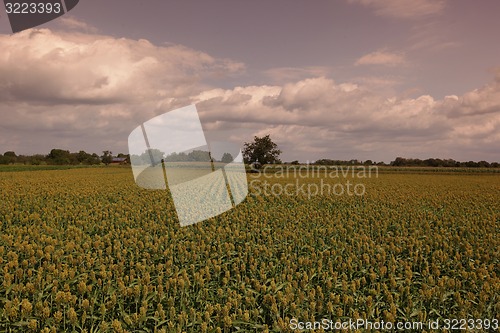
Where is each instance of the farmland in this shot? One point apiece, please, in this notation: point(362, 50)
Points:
point(88, 250)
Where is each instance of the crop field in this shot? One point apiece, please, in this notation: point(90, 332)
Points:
point(87, 250)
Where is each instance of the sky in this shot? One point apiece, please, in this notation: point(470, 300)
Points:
point(338, 79)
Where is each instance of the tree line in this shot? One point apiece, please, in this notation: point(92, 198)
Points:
point(61, 157)
point(437, 162)
point(65, 157)
point(412, 162)
point(262, 151)
point(155, 156)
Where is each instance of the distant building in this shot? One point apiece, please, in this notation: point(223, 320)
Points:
point(119, 160)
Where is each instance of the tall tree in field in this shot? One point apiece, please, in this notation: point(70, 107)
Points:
point(262, 150)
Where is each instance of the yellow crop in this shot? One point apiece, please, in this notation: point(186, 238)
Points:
point(87, 250)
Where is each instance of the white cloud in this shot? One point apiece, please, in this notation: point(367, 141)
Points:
point(320, 118)
point(77, 88)
point(478, 103)
point(318, 102)
point(50, 67)
point(382, 58)
point(404, 9)
point(72, 23)
point(79, 91)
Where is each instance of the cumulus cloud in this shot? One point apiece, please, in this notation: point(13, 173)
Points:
point(404, 9)
point(320, 102)
point(80, 91)
point(321, 118)
point(484, 101)
point(87, 85)
point(382, 58)
point(44, 66)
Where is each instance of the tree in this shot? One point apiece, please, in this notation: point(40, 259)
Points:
point(94, 159)
point(37, 159)
point(9, 157)
point(199, 156)
point(152, 156)
point(262, 150)
point(59, 156)
point(227, 158)
point(82, 156)
point(107, 157)
point(176, 157)
point(10, 154)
